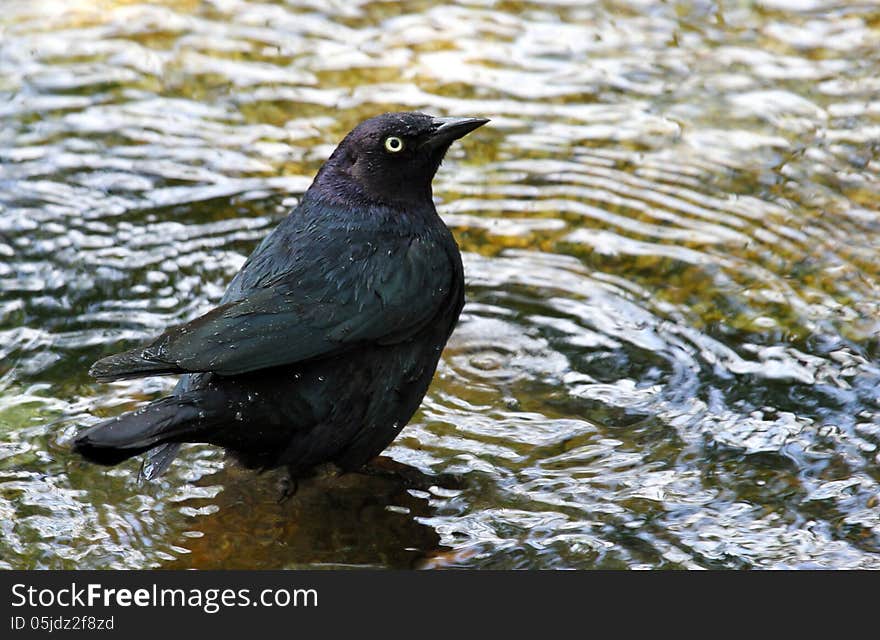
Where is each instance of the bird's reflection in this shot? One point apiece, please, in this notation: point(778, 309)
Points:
point(369, 519)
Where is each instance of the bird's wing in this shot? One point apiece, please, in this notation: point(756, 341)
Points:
point(381, 298)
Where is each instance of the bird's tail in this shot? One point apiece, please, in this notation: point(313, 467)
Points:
point(157, 460)
point(169, 420)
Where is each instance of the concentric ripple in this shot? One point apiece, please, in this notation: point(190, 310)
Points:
point(669, 355)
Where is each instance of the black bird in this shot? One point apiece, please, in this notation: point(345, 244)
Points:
point(326, 340)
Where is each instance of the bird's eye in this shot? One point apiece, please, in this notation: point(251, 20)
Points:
point(393, 144)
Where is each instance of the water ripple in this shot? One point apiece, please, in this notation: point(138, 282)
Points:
point(669, 353)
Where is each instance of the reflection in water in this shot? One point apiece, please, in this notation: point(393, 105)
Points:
point(669, 356)
point(354, 520)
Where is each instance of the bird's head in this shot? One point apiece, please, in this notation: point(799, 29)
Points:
point(392, 158)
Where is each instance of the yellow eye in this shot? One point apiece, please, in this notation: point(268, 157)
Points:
point(393, 144)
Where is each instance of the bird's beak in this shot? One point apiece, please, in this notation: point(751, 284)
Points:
point(448, 129)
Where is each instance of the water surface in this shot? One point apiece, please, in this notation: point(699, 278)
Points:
point(669, 355)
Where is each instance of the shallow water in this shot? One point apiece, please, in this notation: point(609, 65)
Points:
point(669, 356)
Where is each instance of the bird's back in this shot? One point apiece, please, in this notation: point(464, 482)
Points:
point(345, 407)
